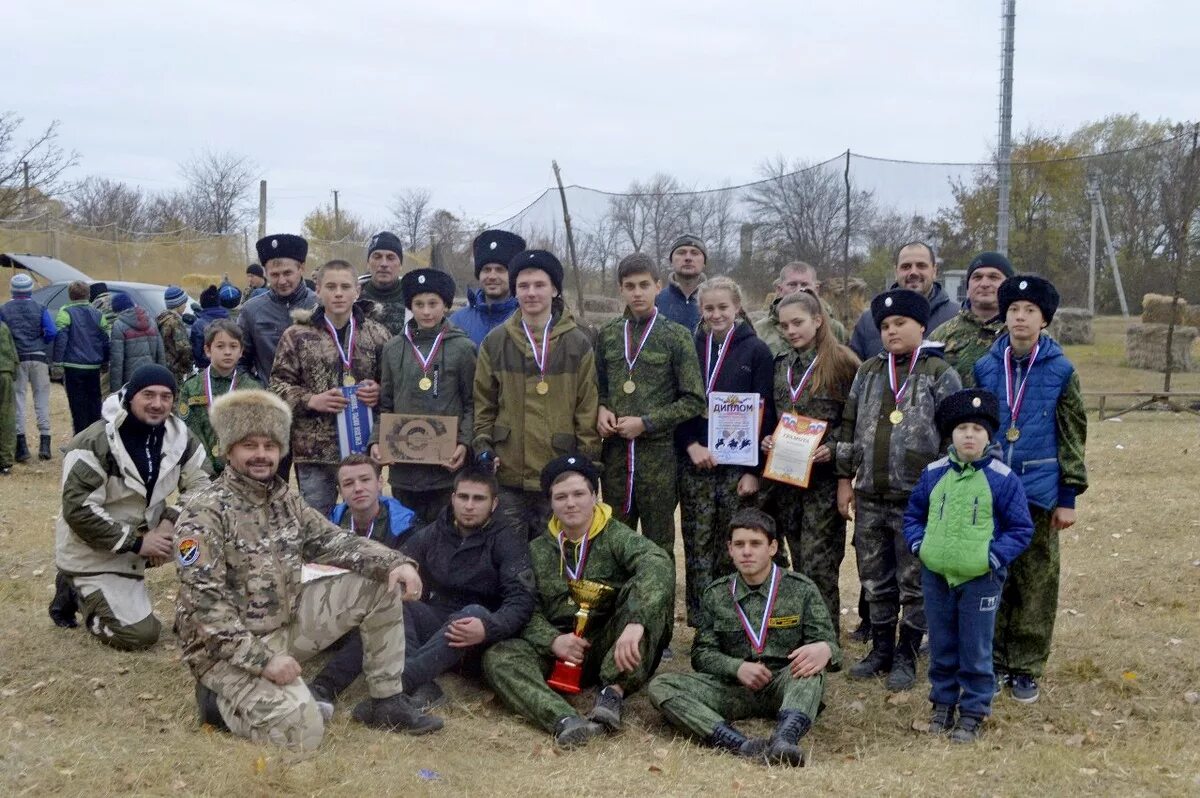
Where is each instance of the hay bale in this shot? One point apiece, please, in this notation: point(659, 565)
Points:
point(1156, 309)
point(1191, 316)
point(1146, 347)
point(1072, 326)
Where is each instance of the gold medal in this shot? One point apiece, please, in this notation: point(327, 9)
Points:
point(348, 380)
point(425, 383)
point(542, 387)
point(1012, 434)
point(630, 386)
point(896, 417)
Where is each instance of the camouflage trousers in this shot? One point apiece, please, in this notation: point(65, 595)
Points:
point(527, 510)
point(890, 573)
point(808, 519)
point(707, 500)
point(655, 490)
point(517, 670)
point(286, 715)
point(699, 701)
point(8, 422)
point(1029, 603)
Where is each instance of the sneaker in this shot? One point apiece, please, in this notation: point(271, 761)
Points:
point(1003, 679)
point(326, 703)
point(968, 729)
point(572, 731)
point(941, 720)
point(1024, 688)
point(428, 696)
point(397, 714)
point(607, 710)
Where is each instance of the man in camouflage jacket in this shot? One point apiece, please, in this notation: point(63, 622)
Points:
point(969, 335)
point(176, 337)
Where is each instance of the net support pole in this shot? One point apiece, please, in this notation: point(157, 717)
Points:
point(1004, 148)
point(262, 209)
point(1093, 190)
point(117, 247)
point(562, 194)
point(846, 245)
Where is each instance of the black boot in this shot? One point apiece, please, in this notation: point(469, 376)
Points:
point(44, 448)
point(727, 738)
point(879, 660)
point(206, 702)
point(65, 603)
point(396, 713)
point(784, 746)
point(904, 666)
point(22, 449)
point(863, 633)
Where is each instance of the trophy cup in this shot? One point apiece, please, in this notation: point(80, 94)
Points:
point(589, 596)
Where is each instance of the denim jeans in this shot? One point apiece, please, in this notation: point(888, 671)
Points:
point(318, 486)
point(962, 623)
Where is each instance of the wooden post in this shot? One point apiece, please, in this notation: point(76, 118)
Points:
point(117, 246)
point(846, 248)
point(570, 240)
point(262, 208)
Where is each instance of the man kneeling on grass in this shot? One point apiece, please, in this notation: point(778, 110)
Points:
point(244, 616)
point(762, 650)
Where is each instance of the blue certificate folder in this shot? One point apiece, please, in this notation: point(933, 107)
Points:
point(353, 423)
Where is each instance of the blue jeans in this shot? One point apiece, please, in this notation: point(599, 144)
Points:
point(962, 623)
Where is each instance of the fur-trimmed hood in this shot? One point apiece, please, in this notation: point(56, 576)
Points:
point(360, 310)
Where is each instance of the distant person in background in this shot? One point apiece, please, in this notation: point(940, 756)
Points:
point(32, 331)
point(230, 298)
point(679, 301)
point(82, 348)
point(969, 335)
point(795, 276)
point(135, 341)
point(385, 259)
point(174, 332)
point(210, 311)
point(916, 270)
point(488, 307)
point(264, 318)
point(255, 277)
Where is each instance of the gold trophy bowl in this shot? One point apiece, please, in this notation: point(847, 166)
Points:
point(565, 678)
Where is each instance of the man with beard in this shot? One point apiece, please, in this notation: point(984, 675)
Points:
point(969, 335)
point(385, 259)
point(488, 307)
point(916, 270)
point(264, 318)
point(680, 300)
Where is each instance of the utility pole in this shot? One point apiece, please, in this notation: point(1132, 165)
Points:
point(1004, 148)
point(262, 209)
point(25, 169)
point(1092, 192)
point(337, 218)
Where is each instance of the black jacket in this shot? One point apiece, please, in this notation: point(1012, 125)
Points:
point(490, 568)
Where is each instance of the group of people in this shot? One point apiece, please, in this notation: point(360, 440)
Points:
point(545, 542)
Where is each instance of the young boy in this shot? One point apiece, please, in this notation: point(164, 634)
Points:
point(364, 510)
point(1044, 429)
point(82, 348)
point(887, 438)
point(428, 370)
point(966, 520)
point(174, 331)
point(223, 349)
point(649, 380)
point(774, 669)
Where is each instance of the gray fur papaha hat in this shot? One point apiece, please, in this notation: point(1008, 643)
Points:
point(239, 414)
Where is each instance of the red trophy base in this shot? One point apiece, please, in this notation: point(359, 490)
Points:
point(565, 677)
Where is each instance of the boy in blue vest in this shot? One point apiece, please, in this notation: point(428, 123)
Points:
point(967, 519)
point(1043, 429)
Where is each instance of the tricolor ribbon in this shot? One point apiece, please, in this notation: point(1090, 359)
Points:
point(631, 359)
point(758, 640)
point(539, 360)
point(1015, 402)
point(425, 361)
point(711, 372)
point(898, 393)
point(794, 391)
point(208, 391)
point(630, 452)
point(581, 553)
point(370, 529)
point(347, 354)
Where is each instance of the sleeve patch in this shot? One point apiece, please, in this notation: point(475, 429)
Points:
point(783, 622)
point(188, 552)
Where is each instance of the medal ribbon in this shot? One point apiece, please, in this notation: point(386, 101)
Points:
point(370, 529)
point(630, 451)
point(795, 392)
point(757, 641)
point(581, 560)
point(898, 393)
point(208, 391)
point(425, 361)
point(1015, 402)
point(710, 371)
point(539, 361)
point(630, 360)
point(348, 353)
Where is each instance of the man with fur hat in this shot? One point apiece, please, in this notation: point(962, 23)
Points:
point(969, 335)
point(116, 521)
point(264, 317)
point(488, 307)
point(385, 259)
point(175, 335)
point(245, 615)
point(680, 300)
point(33, 332)
point(626, 631)
point(536, 395)
point(335, 346)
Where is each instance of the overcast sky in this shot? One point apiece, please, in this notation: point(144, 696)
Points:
point(472, 99)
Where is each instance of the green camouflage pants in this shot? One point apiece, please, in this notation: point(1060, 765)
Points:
point(8, 422)
point(655, 491)
point(707, 500)
point(808, 519)
point(699, 701)
point(1029, 603)
point(287, 715)
point(890, 573)
point(517, 671)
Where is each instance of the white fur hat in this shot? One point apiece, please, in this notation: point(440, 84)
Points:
point(238, 414)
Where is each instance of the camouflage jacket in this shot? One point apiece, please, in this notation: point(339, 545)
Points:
point(886, 459)
point(177, 345)
point(192, 407)
point(393, 313)
point(666, 374)
point(798, 618)
point(824, 405)
point(8, 351)
point(307, 363)
point(640, 573)
point(967, 339)
point(239, 549)
point(768, 327)
point(525, 429)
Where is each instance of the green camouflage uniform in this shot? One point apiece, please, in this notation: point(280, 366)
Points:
point(392, 310)
point(239, 550)
point(712, 695)
point(668, 391)
point(192, 407)
point(808, 518)
point(767, 328)
point(967, 339)
point(644, 581)
point(8, 400)
point(177, 346)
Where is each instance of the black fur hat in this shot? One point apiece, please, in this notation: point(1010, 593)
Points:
point(427, 281)
point(969, 404)
point(900, 302)
point(284, 245)
point(535, 259)
point(496, 246)
point(577, 463)
point(1030, 288)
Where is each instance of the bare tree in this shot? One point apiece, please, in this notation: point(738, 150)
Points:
point(98, 202)
point(169, 212)
point(40, 158)
point(218, 189)
point(411, 210)
point(320, 224)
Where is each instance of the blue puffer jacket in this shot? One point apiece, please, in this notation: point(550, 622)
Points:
point(31, 326)
point(207, 316)
point(480, 317)
point(1034, 456)
point(400, 519)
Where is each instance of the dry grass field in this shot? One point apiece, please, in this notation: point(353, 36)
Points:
point(1119, 714)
